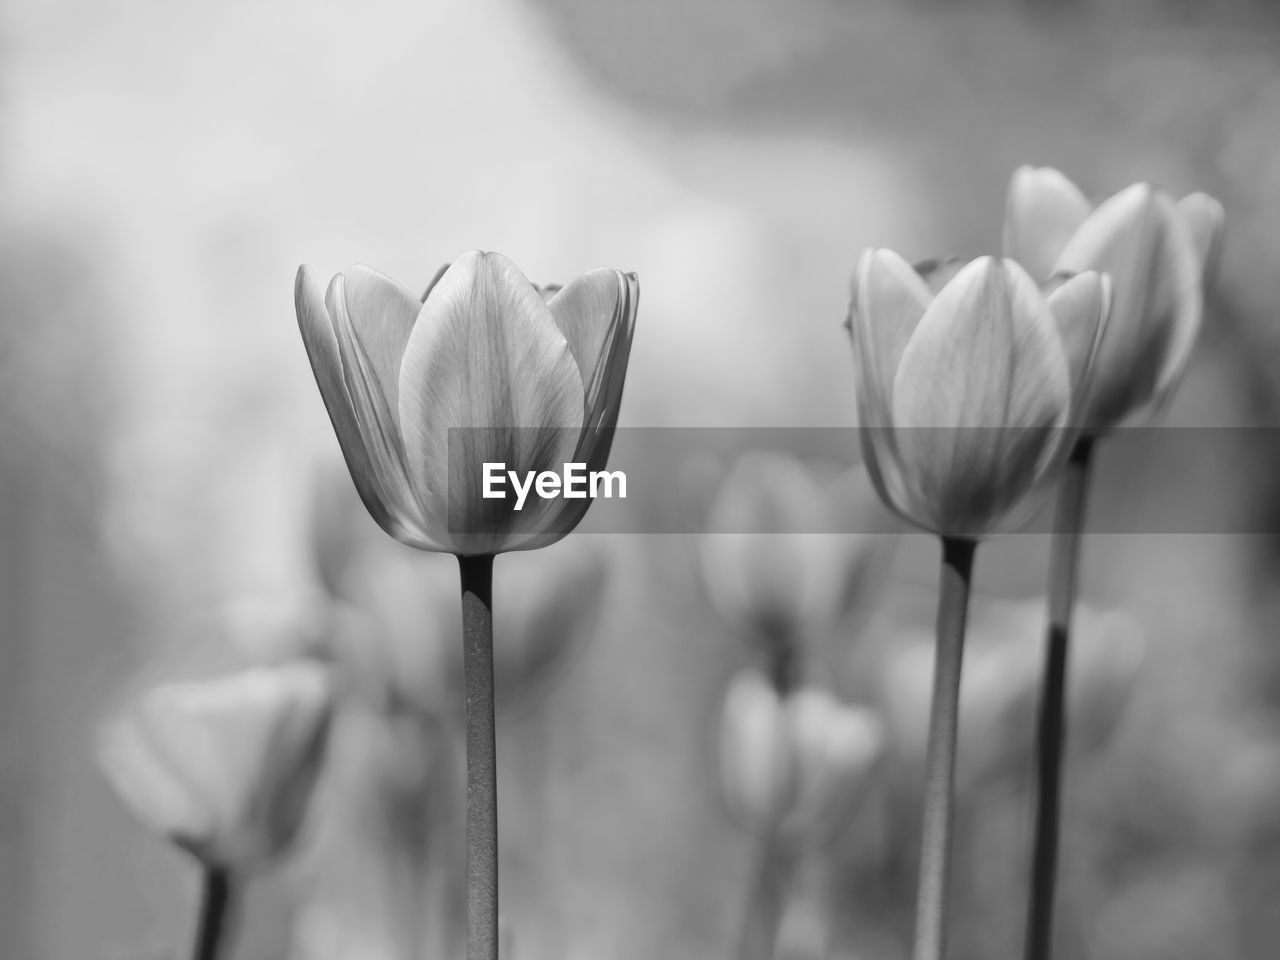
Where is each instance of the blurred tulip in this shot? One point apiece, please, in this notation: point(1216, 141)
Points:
point(797, 765)
point(1159, 254)
point(756, 756)
point(1001, 683)
point(398, 633)
point(966, 397)
point(528, 382)
point(771, 559)
point(838, 747)
point(224, 768)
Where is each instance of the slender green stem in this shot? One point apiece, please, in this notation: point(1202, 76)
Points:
point(940, 759)
point(1064, 567)
point(771, 872)
point(482, 762)
point(213, 921)
point(766, 898)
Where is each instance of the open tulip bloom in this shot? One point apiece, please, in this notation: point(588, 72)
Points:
point(969, 385)
point(1159, 253)
point(423, 392)
point(971, 379)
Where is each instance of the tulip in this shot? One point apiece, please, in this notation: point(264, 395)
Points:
point(794, 769)
point(485, 368)
point(768, 561)
point(838, 748)
point(968, 396)
point(756, 761)
point(530, 382)
point(970, 383)
point(1159, 254)
point(224, 768)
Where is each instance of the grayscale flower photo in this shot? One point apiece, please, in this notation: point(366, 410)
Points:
point(569, 480)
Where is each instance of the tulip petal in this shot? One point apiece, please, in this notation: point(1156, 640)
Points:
point(326, 363)
point(1181, 297)
point(888, 301)
point(986, 375)
point(602, 395)
point(382, 314)
point(431, 285)
point(1042, 211)
point(585, 310)
point(1203, 217)
point(1136, 237)
point(1080, 305)
point(485, 354)
point(370, 403)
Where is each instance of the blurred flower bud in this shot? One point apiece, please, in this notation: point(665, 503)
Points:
point(224, 767)
point(1004, 662)
point(837, 748)
point(538, 382)
point(756, 755)
point(772, 558)
point(399, 634)
point(967, 396)
point(798, 765)
point(1158, 253)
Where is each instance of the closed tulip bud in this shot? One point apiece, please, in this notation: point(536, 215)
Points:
point(967, 396)
point(520, 379)
point(767, 561)
point(224, 768)
point(756, 754)
point(1159, 254)
point(837, 748)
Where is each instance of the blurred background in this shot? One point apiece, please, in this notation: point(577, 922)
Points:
point(165, 168)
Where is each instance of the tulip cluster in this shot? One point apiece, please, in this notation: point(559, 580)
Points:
point(796, 765)
point(979, 386)
point(770, 565)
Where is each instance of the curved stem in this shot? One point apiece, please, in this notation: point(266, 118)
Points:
point(1063, 570)
point(482, 773)
point(212, 922)
point(940, 760)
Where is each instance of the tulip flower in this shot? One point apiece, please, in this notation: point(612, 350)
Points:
point(524, 381)
point(794, 768)
point(224, 768)
point(970, 383)
point(756, 755)
point(967, 396)
point(769, 561)
point(1159, 254)
point(484, 368)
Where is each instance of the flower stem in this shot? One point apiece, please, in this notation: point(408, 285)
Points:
point(766, 897)
point(215, 911)
point(482, 767)
point(940, 761)
point(1063, 570)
